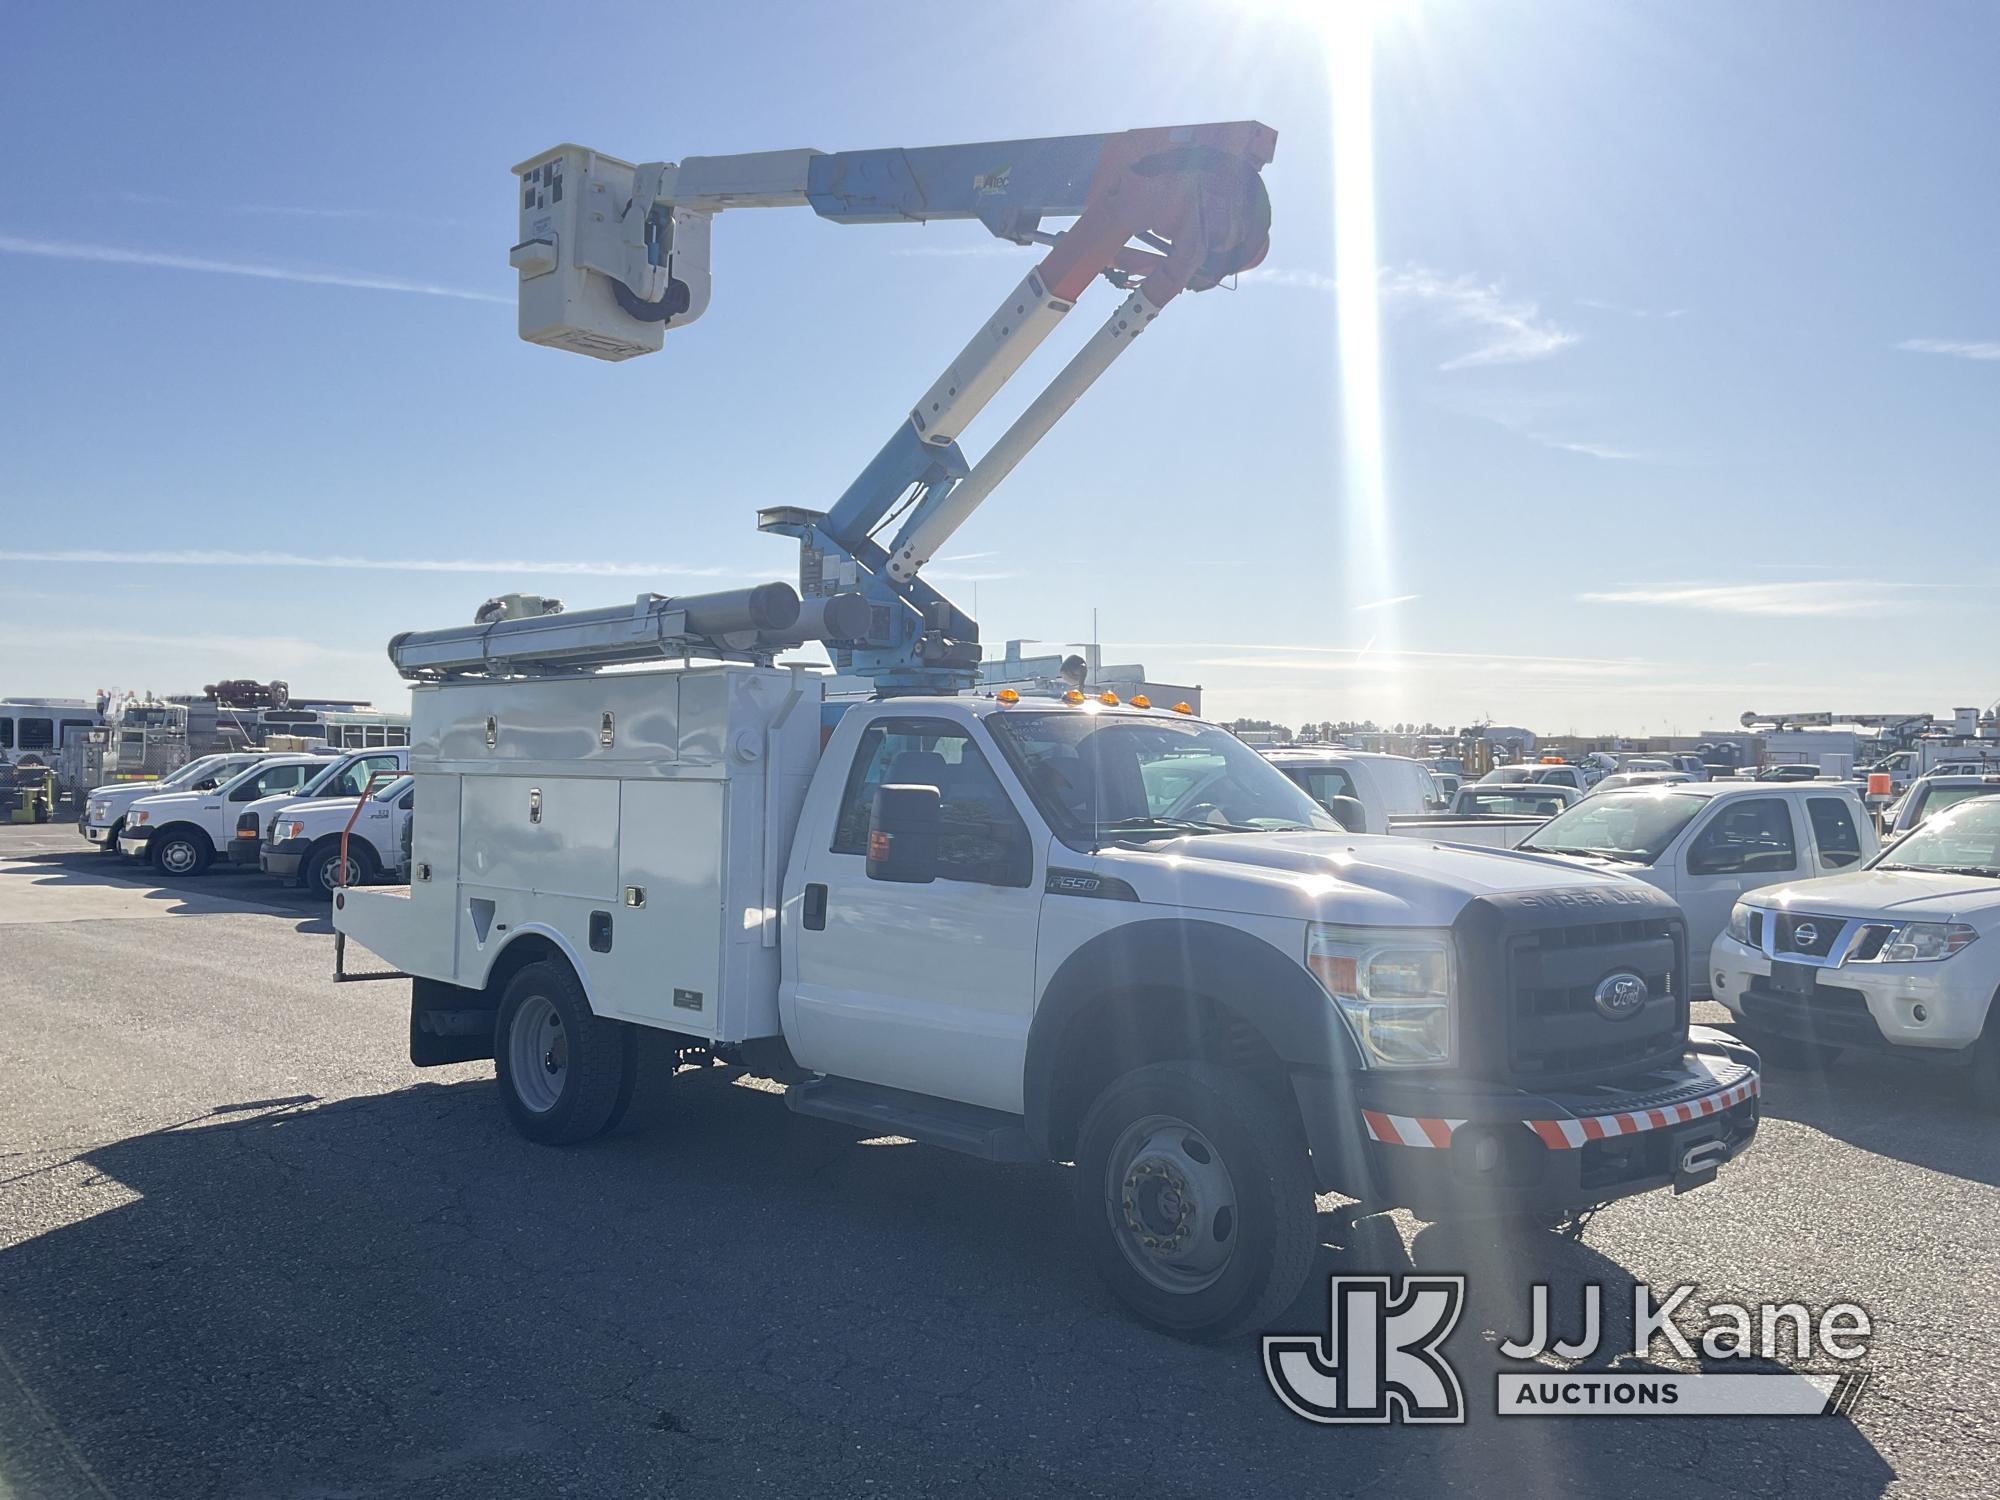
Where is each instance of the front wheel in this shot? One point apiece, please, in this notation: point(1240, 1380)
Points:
point(565, 1074)
point(181, 852)
point(1195, 1199)
point(325, 872)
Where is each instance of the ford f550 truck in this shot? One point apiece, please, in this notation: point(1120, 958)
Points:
point(1070, 930)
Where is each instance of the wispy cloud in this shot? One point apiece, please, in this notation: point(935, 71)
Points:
point(1509, 330)
point(1389, 603)
point(116, 255)
point(1956, 347)
point(261, 648)
point(197, 558)
point(1588, 449)
point(1818, 598)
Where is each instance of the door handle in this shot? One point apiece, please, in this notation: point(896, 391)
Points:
point(814, 916)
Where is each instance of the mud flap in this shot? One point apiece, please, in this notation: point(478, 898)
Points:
point(449, 1024)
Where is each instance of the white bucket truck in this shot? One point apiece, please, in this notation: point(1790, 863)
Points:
point(1070, 929)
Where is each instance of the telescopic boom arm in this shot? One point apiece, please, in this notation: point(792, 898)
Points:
point(613, 255)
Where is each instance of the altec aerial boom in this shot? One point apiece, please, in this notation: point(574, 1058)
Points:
point(612, 255)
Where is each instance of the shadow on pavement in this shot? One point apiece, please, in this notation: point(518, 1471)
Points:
point(85, 869)
point(1910, 1109)
point(396, 1296)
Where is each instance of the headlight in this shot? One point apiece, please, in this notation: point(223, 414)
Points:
point(142, 816)
point(1394, 987)
point(1739, 923)
point(1924, 942)
point(281, 831)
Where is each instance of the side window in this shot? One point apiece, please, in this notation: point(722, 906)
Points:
point(38, 734)
point(277, 779)
point(6, 733)
point(1751, 837)
point(1834, 831)
point(982, 838)
point(1324, 785)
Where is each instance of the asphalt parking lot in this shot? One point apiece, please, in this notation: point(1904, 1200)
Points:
point(247, 1250)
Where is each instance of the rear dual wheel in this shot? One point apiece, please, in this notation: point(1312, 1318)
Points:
point(566, 1075)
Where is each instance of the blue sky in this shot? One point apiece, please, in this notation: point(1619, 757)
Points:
point(1689, 346)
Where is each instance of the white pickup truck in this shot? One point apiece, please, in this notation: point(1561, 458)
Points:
point(1708, 843)
point(1036, 930)
point(349, 777)
point(303, 839)
point(1903, 954)
point(1372, 793)
point(182, 831)
point(105, 807)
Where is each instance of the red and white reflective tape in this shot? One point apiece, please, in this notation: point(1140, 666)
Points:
point(1560, 1135)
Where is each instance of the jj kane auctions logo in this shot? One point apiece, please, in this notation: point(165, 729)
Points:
point(1382, 1359)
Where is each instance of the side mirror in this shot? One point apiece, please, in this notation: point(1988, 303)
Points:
point(903, 834)
point(1349, 814)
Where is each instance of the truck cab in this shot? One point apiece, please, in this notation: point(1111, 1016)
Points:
point(1066, 929)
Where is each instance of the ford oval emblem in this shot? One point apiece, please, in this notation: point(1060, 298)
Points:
point(1620, 996)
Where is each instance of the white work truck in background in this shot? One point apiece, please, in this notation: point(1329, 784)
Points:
point(1708, 843)
point(105, 807)
point(1040, 929)
point(303, 839)
point(1369, 792)
point(182, 831)
point(348, 777)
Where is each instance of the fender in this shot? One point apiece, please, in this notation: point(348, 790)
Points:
point(478, 979)
point(1267, 988)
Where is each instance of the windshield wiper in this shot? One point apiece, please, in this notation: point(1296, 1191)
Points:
point(1624, 856)
point(1169, 825)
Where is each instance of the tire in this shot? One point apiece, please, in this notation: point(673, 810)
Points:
point(1788, 1054)
point(322, 867)
point(565, 1074)
point(1141, 1175)
point(110, 844)
point(180, 851)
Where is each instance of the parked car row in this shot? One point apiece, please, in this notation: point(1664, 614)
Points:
point(1814, 929)
point(283, 814)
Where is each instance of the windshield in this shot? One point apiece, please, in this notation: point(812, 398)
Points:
point(1938, 798)
point(1634, 827)
point(394, 789)
point(1099, 777)
point(1962, 841)
point(192, 771)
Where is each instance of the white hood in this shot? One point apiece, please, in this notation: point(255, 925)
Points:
point(1901, 893)
point(1377, 879)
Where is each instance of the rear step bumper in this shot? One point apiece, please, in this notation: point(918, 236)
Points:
point(987, 1133)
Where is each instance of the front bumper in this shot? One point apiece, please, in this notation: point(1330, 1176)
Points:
point(246, 853)
point(284, 858)
point(1858, 1005)
point(135, 841)
point(1461, 1148)
point(92, 832)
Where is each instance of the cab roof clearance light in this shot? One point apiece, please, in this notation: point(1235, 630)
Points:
point(1072, 696)
point(1108, 698)
point(1007, 695)
point(1140, 700)
point(1183, 708)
